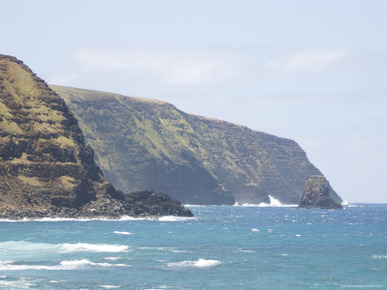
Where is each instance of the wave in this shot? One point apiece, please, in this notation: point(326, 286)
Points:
point(83, 247)
point(379, 256)
point(64, 265)
point(201, 263)
point(273, 203)
point(22, 246)
point(122, 233)
point(172, 218)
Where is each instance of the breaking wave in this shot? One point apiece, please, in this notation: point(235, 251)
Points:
point(171, 218)
point(273, 203)
point(83, 247)
point(64, 265)
point(379, 256)
point(22, 246)
point(201, 263)
point(122, 233)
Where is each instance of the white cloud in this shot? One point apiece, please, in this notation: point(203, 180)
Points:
point(169, 66)
point(307, 61)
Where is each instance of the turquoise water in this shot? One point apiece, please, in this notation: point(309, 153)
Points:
point(223, 247)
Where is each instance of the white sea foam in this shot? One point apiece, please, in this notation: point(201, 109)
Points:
point(18, 284)
point(64, 265)
point(122, 233)
point(201, 263)
point(109, 286)
point(273, 203)
point(172, 218)
point(83, 247)
point(122, 218)
point(23, 246)
point(379, 256)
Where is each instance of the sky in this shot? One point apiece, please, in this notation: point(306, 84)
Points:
point(312, 71)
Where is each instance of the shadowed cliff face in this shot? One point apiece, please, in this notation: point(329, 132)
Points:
point(143, 143)
point(317, 194)
point(45, 166)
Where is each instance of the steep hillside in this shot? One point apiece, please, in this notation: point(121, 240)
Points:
point(143, 143)
point(46, 169)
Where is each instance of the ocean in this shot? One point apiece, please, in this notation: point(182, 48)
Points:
point(222, 247)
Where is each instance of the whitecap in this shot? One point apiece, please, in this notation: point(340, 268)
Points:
point(122, 233)
point(344, 203)
point(273, 203)
point(84, 247)
point(379, 256)
point(64, 265)
point(110, 286)
point(200, 263)
point(171, 218)
point(255, 230)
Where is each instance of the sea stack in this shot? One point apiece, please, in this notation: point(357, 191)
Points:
point(317, 194)
point(46, 168)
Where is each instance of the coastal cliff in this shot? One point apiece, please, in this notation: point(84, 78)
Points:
point(46, 168)
point(143, 143)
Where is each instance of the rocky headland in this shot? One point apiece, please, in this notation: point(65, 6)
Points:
point(143, 143)
point(46, 168)
point(318, 194)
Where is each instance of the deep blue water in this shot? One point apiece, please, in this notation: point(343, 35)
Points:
point(223, 247)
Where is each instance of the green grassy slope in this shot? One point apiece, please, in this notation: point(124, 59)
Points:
point(141, 143)
point(46, 167)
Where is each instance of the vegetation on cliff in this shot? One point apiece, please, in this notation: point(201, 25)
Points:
point(46, 169)
point(141, 143)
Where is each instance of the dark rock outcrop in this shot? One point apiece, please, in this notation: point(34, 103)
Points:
point(142, 143)
point(317, 194)
point(46, 169)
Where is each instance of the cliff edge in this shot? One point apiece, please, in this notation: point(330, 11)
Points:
point(46, 168)
point(143, 143)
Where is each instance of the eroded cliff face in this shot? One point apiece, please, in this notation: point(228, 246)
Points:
point(46, 169)
point(318, 194)
point(141, 143)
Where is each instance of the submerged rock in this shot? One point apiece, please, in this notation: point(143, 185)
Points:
point(317, 194)
point(46, 168)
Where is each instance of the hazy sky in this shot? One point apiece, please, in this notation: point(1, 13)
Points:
point(312, 71)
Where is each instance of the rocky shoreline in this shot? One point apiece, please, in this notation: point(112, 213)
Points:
point(145, 204)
